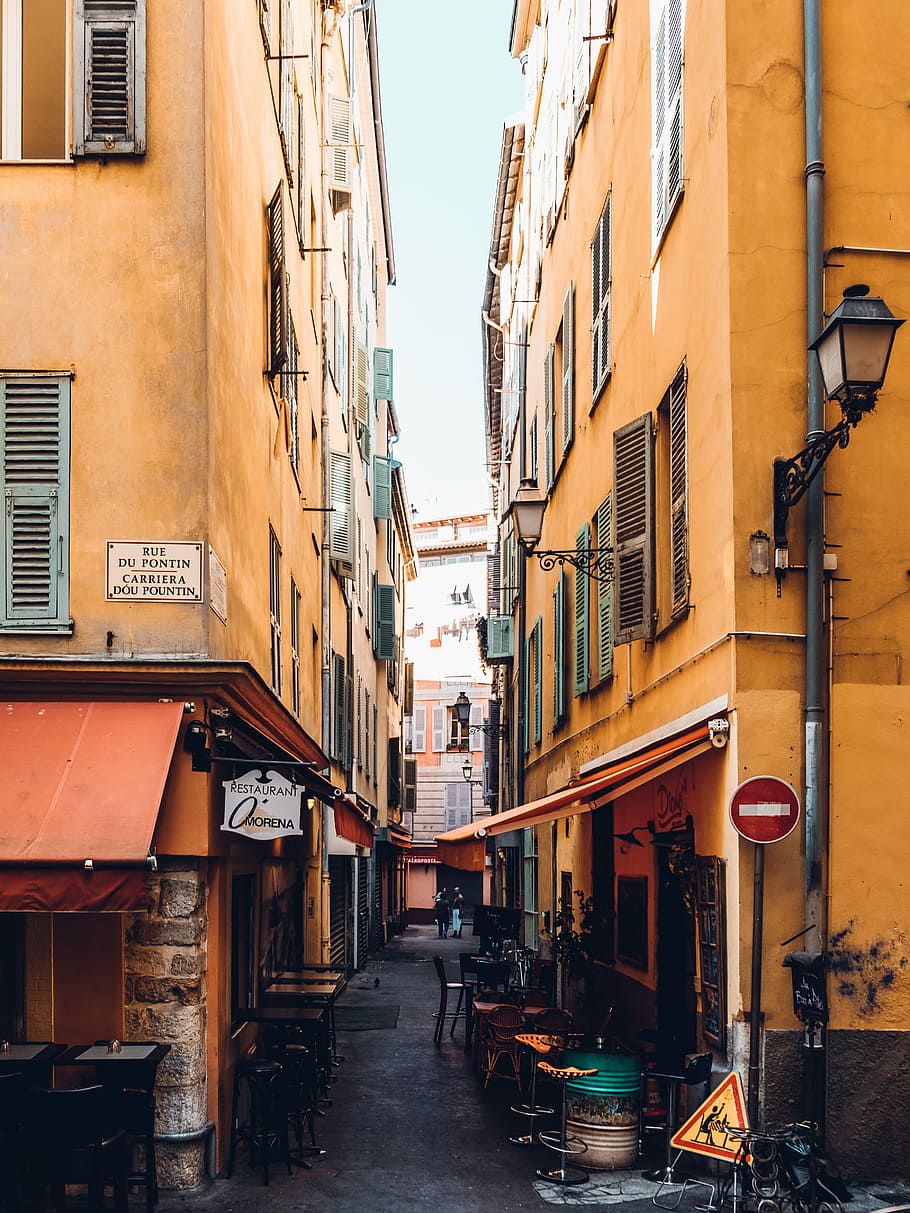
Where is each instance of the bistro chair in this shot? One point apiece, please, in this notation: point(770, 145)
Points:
point(468, 964)
point(11, 1087)
point(695, 1072)
point(301, 1080)
point(445, 986)
point(259, 1114)
point(500, 1032)
point(69, 1142)
point(130, 1092)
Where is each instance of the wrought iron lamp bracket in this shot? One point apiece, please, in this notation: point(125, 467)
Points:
point(596, 563)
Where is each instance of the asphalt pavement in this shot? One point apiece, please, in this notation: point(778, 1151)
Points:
point(411, 1127)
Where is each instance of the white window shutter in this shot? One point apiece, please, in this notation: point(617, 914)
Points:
point(457, 804)
point(440, 720)
point(419, 743)
point(109, 78)
point(361, 383)
point(568, 367)
point(340, 152)
point(476, 722)
point(341, 529)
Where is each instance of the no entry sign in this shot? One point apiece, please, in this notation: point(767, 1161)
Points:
point(764, 809)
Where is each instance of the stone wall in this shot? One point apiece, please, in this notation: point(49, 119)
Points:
point(165, 960)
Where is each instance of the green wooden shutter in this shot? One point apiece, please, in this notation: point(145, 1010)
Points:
point(338, 707)
point(603, 526)
point(582, 599)
point(633, 504)
point(382, 487)
point(109, 78)
point(278, 285)
point(549, 438)
point(34, 458)
point(384, 638)
point(525, 693)
point(568, 368)
point(559, 631)
point(679, 495)
point(537, 636)
point(382, 374)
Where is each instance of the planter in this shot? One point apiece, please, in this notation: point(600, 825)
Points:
point(604, 1109)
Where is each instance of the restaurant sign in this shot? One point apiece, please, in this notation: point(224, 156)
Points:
point(262, 804)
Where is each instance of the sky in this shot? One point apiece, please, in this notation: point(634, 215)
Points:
point(448, 84)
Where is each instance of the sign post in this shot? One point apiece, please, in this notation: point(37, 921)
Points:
point(762, 809)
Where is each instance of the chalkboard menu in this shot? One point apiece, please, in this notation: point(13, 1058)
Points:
point(712, 947)
point(810, 1001)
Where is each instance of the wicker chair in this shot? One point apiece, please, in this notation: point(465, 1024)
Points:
point(502, 1026)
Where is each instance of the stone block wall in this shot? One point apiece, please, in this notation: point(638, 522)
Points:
point(165, 963)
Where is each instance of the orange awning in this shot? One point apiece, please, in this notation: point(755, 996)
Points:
point(464, 846)
point(83, 780)
point(351, 824)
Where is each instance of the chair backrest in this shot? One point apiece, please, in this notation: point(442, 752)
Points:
point(468, 962)
point(494, 972)
point(66, 1118)
point(698, 1069)
point(505, 1022)
point(552, 1020)
point(440, 969)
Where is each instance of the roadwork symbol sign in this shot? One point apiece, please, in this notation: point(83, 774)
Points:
point(706, 1130)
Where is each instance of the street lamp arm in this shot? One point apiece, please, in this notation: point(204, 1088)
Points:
point(792, 477)
point(596, 563)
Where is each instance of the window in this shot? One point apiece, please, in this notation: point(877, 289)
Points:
point(286, 94)
point(601, 273)
point(34, 464)
point(537, 705)
point(582, 608)
point(567, 368)
point(679, 497)
point(603, 537)
point(419, 736)
point(341, 530)
point(278, 288)
point(275, 608)
point(458, 804)
point(295, 647)
point(549, 418)
point(359, 729)
point(384, 638)
point(367, 742)
point(559, 650)
point(289, 395)
point(243, 945)
point(633, 501)
point(529, 885)
point(667, 147)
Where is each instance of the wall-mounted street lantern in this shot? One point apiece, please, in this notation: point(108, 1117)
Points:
point(462, 709)
point(527, 511)
point(853, 351)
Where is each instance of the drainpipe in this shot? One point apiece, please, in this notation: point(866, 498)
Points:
point(815, 674)
point(326, 449)
point(814, 1069)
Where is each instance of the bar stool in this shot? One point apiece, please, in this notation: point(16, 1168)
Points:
point(539, 1047)
point(266, 1124)
point(563, 1143)
point(696, 1070)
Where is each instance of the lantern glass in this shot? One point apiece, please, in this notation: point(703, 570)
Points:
point(866, 350)
point(527, 512)
point(462, 708)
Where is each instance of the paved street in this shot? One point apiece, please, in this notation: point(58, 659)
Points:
point(410, 1126)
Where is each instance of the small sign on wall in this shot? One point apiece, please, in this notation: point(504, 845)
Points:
point(150, 571)
point(217, 586)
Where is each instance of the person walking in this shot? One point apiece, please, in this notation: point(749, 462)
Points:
point(457, 908)
point(441, 913)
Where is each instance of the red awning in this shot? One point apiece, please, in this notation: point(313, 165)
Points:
point(83, 780)
point(399, 838)
point(105, 890)
point(351, 824)
point(464, 847)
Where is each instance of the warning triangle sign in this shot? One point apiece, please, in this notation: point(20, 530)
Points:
point(706, 1130)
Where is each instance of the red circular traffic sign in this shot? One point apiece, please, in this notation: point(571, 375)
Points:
point(764, 809)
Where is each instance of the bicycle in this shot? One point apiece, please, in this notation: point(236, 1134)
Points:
point(783, 1169)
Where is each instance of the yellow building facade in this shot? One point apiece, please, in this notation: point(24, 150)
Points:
point(206, 541)
point(668, 221)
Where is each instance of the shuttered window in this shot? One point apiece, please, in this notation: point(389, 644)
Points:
point(419, 735)
point(549, 423)
point(275, 609)
point(440, 740)
point(559, 650)
point(338, 721)
point(667, 68)
point(361, 384)
point(278, 286)
point(340, 152)
point(34, 461)
point(601, 272)
point(457, 804)
point(582, 610)
point(537, 645)
point(384, 638)
point(382, 374)
point(109, 77)
point(476, 733)
point(603, 532)
point(286, 96)
point(568, 368)
point(382, 487)
point(295, 647)
point(341, 528)
point(525, 693)
point(289, 395)
point(633, 503)
point(679, 496)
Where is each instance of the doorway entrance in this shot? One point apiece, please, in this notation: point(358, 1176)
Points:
point(676, 892)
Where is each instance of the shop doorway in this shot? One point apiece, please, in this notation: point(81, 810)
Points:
point(676, 890)
point(12, 984)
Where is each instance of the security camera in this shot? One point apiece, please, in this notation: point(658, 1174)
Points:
point(719, 732)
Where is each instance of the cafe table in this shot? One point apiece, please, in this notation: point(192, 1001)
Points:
point(32, 1059)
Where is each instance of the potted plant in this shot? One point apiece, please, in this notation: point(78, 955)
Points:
point(576, 949)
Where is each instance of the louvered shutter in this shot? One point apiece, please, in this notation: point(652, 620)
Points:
point(286, 95)
point(674, 101)
point(278, 288)
point(457, 804)
point(382, 374)
point(549, 438)
point(338, 708)
point(559, 630)
point(679, 505)
point(582, 603)
point(384, 631)
point(603, 526)
point(499, 637)
point(476, 734)
point(494, 579)
point(359, 728)
point(537, 636)
point(382, 487)
point(533, 457)
point(340, 149)
point(420, 730)
point(109, 77)
point(526, 694)
point(568, 368)
point(341, 528)
point(409, 798)
point(348, 758)
point(34, 432)
point(600, 297)
point(659, 151)
point(440, 720)
point(361, 384)
point(633, 504)
point(409, 687)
